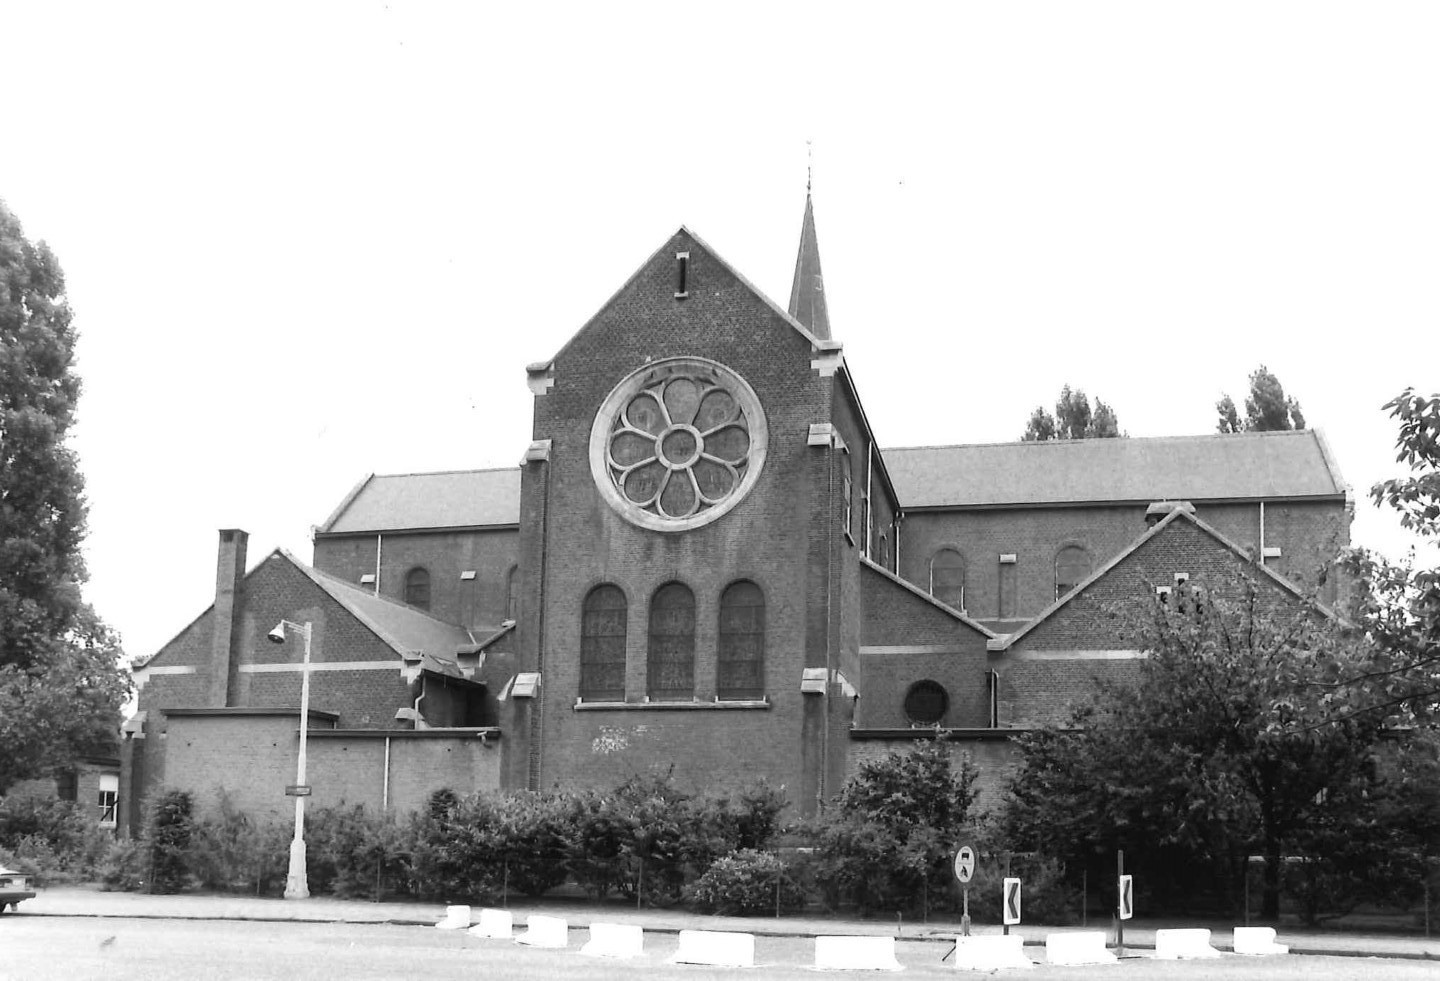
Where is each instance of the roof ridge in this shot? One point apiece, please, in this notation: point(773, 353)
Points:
point(443, 473)
point(1103, 439)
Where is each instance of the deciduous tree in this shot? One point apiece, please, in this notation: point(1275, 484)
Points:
point(1074, 418)
point(1267, 407)
point(61, 683)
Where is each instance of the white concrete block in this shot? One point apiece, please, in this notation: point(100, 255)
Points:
point(495, 924)
point(991, 953)
point(456, 918)
point(614, 940)
point(1172, 945)
point(545, 931)
point(1078, 947)
point(716, 948)
point(856, 954)
point(1258, 940)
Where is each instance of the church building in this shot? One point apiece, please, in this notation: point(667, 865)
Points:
point(706, 564)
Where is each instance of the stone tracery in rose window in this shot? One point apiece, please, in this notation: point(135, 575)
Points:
point(680, 446)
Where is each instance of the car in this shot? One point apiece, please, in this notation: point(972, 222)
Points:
point(14, 886)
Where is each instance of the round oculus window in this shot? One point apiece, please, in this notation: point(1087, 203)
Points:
point(926, 702)
point(678, 443)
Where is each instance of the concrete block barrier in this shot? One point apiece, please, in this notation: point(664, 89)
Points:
point(1078, 947)
point(1258, 940)
point(545, 931)
point(991, 953)
point(456, 918)
point(716, 948)
point(614, 940)
point(495, 924)
point(1174, 945)
point(856, 954)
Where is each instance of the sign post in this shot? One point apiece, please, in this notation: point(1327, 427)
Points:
point(964, 869)
point(1122, 882)
point(1011, 906)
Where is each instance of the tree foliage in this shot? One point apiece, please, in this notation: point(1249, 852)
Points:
point(61, 685)
point(1074, 418)
point(1228, 743)
point(1267, 407)
point(888, 841)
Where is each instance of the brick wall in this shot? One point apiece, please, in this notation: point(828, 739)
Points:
point(489, 553)
point(1309, 534)
point(251, 760)
point(770, 537)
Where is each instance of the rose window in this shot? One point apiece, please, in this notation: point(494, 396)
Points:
point(678, 443)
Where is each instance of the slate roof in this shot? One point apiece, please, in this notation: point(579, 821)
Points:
point(1245, 466)
point(411, 501)
point(403, 628)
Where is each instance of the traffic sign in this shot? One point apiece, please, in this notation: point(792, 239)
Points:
point(1127, 897)
point(965, 863)
point(1012, 902)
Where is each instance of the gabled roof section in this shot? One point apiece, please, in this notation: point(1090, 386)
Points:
point(807, 292)
point(1179, 514)
point(1243, 466)
point(415, 501)
point(920, 594)
point(684, 239)
point(406, 630)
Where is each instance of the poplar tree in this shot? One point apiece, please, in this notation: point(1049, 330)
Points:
point(1074, 418)
point(1267, 407)
point(61, 683)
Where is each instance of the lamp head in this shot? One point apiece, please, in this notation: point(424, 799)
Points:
point(277, 635)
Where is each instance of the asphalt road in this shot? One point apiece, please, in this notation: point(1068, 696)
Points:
point(37, 948)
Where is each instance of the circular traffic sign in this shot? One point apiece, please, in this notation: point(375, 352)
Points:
point(965, 863)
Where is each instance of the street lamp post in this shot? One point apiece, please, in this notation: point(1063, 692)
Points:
point(296, 880)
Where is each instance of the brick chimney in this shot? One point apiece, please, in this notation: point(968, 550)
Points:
point(229, 604)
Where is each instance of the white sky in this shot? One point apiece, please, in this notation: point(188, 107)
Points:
point(306, 242)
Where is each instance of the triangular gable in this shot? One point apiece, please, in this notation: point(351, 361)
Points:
point(876, 581)
point(1177, 515)
point(684, 235)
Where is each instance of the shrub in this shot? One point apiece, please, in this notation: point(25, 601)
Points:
point(457, 848)
point(55, 836)
point(598, 833)
point(533, 829)
point(747, 883)
point(1045, 896)
point(230, 852)
point(169, 826)
point(355, 854)
point(123, 867)
point(890, 838)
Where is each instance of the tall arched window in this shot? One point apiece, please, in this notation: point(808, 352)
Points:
point(947, 578)
point(417, 588)
point(1072, 567)
point(741, 671)
point(602, 645)
point(670, 672)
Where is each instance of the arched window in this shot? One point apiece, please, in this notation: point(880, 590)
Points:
point(512, 593)
point(845, 491)
point(1072, 567)
point(670, 672)
point(417, 588)
point(602, 645)
point(947, 578)
point(741, 671)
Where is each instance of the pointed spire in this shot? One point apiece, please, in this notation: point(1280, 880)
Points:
point(807, 293)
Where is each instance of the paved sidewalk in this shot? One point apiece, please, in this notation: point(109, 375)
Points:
point(1139, 934)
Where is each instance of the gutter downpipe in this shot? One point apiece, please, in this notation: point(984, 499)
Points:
point(829, 626)
point(1262, 533)
point(379, 544)
point(385, 785)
